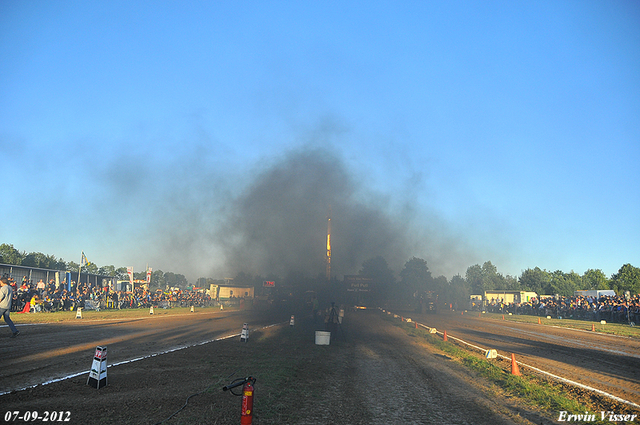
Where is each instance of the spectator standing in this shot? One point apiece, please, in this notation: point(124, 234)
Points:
point(40, 287)
point(6, 296)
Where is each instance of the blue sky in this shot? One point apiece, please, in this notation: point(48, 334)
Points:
point(502, 131)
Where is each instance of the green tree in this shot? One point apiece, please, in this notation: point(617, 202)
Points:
point(474, 278)
point(564, 284)
point(415, 276)
point(107, 271)
point(90, 268)
point(440, 284)
point(35, 259)
point(457, 292)
point(511, 283)
point(627, 279)
point(43, 261)
point(490, 276)
point(485, 278)
point(575, 280)
point(157, 279)
point(10, 255)
point(382, 276)
point(121, 273)
point(171, 279)
point(73, 266)
point(536, 280)
point(60, 264)
point(179, 280)
point(595, 279)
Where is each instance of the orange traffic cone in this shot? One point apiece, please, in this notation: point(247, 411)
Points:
point(593, 327)
point(515, 370)
point(444, 338)
point(416, 325)
point(539, 321)
point(503, 317)
point(462, 313)
point(479, 315)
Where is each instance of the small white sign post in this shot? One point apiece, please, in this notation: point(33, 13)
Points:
point(244, 335)
point(98, 374)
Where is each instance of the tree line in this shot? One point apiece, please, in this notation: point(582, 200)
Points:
point(414, 277)
point(159, 279)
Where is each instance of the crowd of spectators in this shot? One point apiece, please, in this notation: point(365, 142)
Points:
point(609, 308)
point(50, 297)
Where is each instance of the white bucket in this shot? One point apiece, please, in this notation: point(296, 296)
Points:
point(323, 338)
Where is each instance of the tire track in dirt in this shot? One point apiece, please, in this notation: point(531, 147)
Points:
point(606, 362)
point(389, 378)
point(50, 351)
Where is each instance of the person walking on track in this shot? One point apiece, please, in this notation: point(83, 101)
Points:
point(6, 296)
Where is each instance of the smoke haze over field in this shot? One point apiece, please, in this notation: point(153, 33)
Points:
point(206, 138)
point(194, 213)
point(277, 221)
point(279, 224)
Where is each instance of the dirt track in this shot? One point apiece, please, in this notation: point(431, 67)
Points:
point(390, 378)
point(373, 373)
point(606, 362)
point(51, 351)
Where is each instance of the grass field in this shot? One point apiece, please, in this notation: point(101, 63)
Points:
point(621, 329)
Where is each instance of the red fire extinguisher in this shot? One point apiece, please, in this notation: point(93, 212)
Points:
point(246, 414)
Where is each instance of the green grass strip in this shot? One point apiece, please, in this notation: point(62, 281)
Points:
point(622, 329)
point(535, 392)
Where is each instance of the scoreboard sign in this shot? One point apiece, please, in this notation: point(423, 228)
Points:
point(357, 283)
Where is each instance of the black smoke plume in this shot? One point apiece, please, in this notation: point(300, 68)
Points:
point(279, 223)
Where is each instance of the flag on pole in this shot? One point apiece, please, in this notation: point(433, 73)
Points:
point(130, 273)
point(148, 274)
point(84, 261)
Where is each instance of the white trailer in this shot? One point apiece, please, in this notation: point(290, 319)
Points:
point(595, 293)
